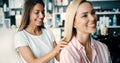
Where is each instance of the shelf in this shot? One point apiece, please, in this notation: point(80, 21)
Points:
point(99, 13)
point(16, 8)
point(113, 27)
point(13, 4)
point(102, 0)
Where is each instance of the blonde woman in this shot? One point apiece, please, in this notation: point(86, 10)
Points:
point(80, 24)
point(34, 42)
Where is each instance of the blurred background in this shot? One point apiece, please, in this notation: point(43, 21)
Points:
point(108, 24)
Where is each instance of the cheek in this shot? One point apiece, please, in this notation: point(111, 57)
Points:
point(81, 23)
point(82, 26)
point(32, 19)
point(84, 23)
point(31, 16)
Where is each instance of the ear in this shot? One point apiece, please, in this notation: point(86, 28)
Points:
point(74, 26)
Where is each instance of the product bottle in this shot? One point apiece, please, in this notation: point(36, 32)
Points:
point(105, 31)
point(114, 20)
point(18, 18)
point(5, 7)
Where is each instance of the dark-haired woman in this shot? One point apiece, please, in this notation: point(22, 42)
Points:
point(34, 42)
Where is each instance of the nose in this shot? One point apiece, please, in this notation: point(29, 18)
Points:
point(41, 15)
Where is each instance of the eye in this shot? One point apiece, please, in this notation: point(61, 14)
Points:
point(84, 16)
point(36, 12)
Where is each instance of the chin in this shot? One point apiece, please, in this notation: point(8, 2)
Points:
point(39, 24)
point(93, 30)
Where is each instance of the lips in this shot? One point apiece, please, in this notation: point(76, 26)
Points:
point(91, 25)
point(39, 20)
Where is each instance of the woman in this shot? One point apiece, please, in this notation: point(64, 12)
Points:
point(34, 43)
point(80, 24)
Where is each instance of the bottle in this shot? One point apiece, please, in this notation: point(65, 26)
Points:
point(1, 16)
point(1, 13)
point(105, 31)
point(5, 7)
point(98, 28)
point(18, 18)
point(114, 20)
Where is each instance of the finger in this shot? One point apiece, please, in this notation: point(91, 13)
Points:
point(63, 42)
point(62, 46)
point(63, 39)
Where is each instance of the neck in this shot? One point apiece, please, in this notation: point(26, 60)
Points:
point(33, 30)
point(84, 39)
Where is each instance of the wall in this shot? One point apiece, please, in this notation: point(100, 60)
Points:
point(7, 51)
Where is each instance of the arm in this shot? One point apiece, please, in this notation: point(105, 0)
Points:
point(59, 47)
point(29, 57)
point(57, 55)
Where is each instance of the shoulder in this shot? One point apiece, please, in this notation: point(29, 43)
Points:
point(99, 44)
point(20, 34)
point(68, 47)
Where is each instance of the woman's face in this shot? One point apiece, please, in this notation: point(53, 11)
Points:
point(85, 20)
point(37, 15)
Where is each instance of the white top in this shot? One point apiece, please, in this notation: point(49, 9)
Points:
point(40, 45)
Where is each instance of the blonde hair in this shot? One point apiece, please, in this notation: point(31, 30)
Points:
point(70, 16)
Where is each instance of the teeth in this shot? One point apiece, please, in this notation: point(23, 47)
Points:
point(91, 25)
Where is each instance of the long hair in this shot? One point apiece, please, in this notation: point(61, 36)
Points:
point(28, 5)
point(70, 18)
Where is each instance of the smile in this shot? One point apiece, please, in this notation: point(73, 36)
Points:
point(91, 25)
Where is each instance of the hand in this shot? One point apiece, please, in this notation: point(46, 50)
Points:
point(60, 45)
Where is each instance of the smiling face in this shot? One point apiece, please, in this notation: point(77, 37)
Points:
point(85, 19)
point(37, 15)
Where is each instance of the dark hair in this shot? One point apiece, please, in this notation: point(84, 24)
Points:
point(28, 5)
point(38, 1)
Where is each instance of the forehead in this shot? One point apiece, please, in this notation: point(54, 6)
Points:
point(84, 7)
point(38, 7)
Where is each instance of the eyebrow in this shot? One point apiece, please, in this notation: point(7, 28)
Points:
point(39, 10)
point(87, 12)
